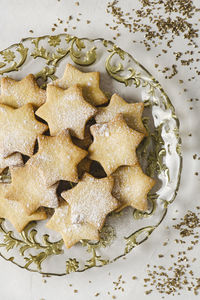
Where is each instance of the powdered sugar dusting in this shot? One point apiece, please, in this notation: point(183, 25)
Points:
point(103, 130)
point(118, 148)
point(131, 186)
point(132, 113)
point(61, 215)
point(12, 160)
point(77, 219)
point(66, 109)
point(89, 82)
point(19, 130)
point(19, 93)
point(91, 201)
point(30, 189)
point(57, 158)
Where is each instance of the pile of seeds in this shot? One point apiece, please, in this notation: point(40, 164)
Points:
point(161, 23)
point(178, 274)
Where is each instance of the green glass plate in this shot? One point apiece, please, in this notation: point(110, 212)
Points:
point(41, 250)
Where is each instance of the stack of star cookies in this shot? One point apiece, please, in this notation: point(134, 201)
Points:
point(69, 150)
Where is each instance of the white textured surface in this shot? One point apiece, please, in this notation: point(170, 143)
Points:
point(16, 19)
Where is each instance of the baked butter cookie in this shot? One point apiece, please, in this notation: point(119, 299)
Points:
point(66, 109)
point(14, 159)
point(28, 188)
point(18, 93)
point(131, 112)
point(89, 82)
point(91, 200)
point(19, 130)
point(71, 232)
point(114, 144)
point(132, 186)
point(57, 158)
point(15, 212)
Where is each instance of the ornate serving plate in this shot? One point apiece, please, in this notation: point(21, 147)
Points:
point(41, 250)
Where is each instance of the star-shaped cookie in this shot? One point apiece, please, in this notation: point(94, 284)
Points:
point(71, 232)
point(89, 82)
point(57, 158)
point(91, 200)
point(18, 93)
point(19, 130)
point(14, 211)
point(132, 186)
point(14, 159)
point(29, 189)
point(114, 144)
point(132, 113)
point(66, 109)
